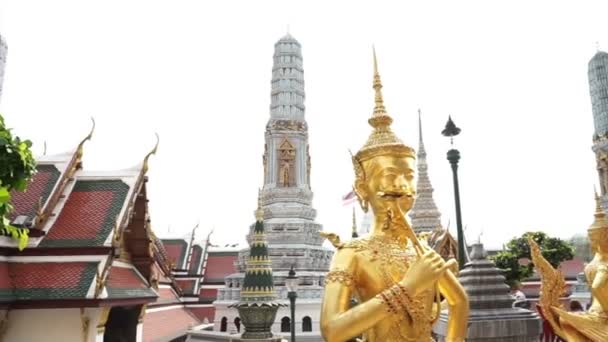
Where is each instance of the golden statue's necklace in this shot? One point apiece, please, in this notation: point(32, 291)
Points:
point(395, 258)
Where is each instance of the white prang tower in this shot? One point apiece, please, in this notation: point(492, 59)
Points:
point(289, 218)
point(3, 51)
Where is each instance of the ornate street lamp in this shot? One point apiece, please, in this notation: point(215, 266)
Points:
point(451, 131)
point(291, 282)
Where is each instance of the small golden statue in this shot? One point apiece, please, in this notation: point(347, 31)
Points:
point(578, 326)
point(396, 279)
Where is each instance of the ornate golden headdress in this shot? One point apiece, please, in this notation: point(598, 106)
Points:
point(382, 140)
point(600, 222)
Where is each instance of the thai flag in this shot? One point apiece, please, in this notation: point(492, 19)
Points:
point(349, 198)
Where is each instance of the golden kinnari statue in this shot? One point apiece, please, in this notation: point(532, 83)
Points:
point(578, 326)
point(396, 279)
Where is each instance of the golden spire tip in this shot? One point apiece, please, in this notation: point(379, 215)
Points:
point(375, 60)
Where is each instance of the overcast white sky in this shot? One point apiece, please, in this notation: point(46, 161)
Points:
point(512, 75)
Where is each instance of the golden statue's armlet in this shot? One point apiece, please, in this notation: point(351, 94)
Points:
point(340, 276)
point(398, 301)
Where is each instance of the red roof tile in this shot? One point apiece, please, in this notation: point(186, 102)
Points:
point(39, 189)
point(204, 312)
point(187, 286)
point(46, 274)
point(88, 215)
point(166, 294)
point(165, 325)
point(176, 251)
point(571, 268)
point(218, 267)
point(124, 282)
point(5, 282)
point(195, 260)
point(208, 293)
point(82, 216)
point(124, 278)
point(50, 280)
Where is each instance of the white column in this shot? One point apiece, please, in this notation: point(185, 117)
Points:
point(140, 331)
point(272, 156)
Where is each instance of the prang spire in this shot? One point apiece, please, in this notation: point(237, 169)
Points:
point(425, 215)
point(287, 91)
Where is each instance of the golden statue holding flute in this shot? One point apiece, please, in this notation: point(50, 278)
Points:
point(397, 279)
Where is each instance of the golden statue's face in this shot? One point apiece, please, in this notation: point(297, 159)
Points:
point(597, 240)
point(389, 182)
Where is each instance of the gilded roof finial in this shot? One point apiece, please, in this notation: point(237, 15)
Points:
point(259, 213)
point(145, 164)
point(88, 137)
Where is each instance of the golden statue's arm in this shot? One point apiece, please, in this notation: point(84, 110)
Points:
point(458, 306)
point(599, 287)
point(339, 322)
point(552, 287)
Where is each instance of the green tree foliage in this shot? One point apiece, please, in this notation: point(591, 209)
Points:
point(554, 250)
point(17, 166)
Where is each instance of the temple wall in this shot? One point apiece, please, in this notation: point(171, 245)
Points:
point(50, 325)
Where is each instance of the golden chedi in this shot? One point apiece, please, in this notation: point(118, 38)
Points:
point(578, 326)
point(396, 280)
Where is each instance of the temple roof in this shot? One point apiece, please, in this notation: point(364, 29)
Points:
point(81, 223)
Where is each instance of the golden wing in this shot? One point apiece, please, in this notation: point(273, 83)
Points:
point(552, 288)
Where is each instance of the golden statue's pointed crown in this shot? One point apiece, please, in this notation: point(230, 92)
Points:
point(382, 140)
point(600, 221)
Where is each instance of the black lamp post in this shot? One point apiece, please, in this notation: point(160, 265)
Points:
point(451, 131)
point(292, 287)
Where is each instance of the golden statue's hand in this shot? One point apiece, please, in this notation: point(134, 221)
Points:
point(425, 271)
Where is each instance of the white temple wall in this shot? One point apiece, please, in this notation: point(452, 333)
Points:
point(303, 309)
point(50, 325)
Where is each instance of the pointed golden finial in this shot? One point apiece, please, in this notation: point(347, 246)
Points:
point(145, 164)
point(88, 137)
point(379, 109)
point(382, 140)
point(600, 220)
point(259, 213)
point(354, 233)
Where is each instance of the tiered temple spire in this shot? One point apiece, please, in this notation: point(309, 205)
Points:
point(258, 285)
point(492, 316)
point(425, 215)
point(258, 306)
